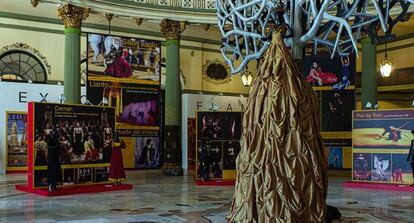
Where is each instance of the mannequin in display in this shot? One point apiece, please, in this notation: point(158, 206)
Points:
point(116, 170)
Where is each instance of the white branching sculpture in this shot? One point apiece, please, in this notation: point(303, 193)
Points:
point(334, 24)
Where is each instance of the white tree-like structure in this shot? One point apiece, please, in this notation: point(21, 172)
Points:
point(336, 25)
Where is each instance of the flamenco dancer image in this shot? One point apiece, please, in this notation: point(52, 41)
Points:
point(119, 67)
point(318, 78)
point(314, 75)
point(410, 157)
point(116, 170)
point(54, 170)
point(344, 84)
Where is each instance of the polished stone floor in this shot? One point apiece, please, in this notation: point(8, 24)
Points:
point(176, 199)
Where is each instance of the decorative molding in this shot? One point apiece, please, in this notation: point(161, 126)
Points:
point(25, 47)
point(72, 16)
point(206, 27)
point(34, 3)
point(194, 11)
point(138, 20)
point(172, 29)
point(109, 16)
point(216, 80)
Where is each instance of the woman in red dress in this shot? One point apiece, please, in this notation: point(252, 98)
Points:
point(116, 170)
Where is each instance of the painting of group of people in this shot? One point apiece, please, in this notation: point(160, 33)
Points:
point(78, 142)
point(79, 137)
point(123, 57)
point(218, 135)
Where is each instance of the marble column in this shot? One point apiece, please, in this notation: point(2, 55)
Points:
point(72, 17)
point(369, 73)
point(172, 115)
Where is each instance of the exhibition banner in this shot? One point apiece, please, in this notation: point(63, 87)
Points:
point(218, 143)
point(82, 135)
point(123, 59)
point(124, 72)
point(381, 140)
point(333, 79)
point(16, 141)
point(16, 98)
point(190, 104)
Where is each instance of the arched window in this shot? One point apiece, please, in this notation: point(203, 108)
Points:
point(22, 65)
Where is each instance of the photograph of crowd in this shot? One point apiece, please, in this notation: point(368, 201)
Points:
point(218, 135)
point(123, 57)
point(81, 134)
point(16, 139)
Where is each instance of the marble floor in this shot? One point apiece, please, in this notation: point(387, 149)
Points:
point(176, 199)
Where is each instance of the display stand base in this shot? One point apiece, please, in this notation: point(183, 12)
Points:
point(216, 183)
point(379, 186)
point(75, 190)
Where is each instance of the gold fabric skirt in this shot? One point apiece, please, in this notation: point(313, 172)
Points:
point(281, 168)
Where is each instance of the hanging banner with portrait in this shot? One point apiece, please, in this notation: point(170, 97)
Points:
point(381, 140)
point(124, 72)
point(16, 141)
point(325, 72)
point(82, 135)
point(218, 144)
point(333, 79)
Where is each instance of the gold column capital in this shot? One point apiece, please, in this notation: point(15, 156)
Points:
point(172, 29)
point(72, 16)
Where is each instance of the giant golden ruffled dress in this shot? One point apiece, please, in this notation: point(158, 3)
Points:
point(281, 168)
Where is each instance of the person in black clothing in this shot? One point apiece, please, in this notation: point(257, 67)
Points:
point(54, 170)
point(204, 158)
point(410, 157)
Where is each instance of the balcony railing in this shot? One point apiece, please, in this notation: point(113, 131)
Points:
point(190, 4)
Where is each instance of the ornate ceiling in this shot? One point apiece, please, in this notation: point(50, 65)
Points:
point(192, 11)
